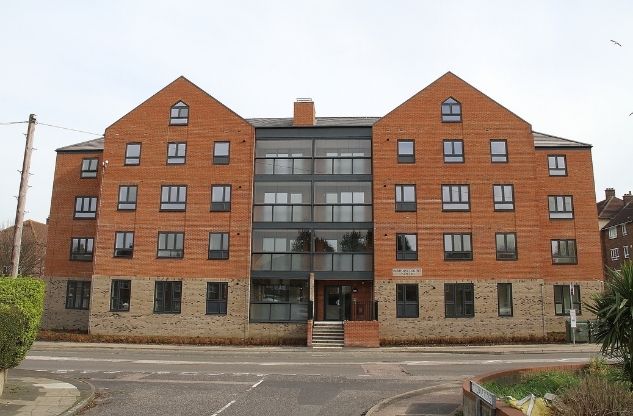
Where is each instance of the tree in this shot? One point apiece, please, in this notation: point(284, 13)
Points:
point(614, 311)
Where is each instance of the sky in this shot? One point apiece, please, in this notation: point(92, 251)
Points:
point(83, 64)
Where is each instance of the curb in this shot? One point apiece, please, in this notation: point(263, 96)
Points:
point(475, 349)
point(381, 405)
point(81, 403)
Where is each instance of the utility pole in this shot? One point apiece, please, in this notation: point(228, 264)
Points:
point(24, 186)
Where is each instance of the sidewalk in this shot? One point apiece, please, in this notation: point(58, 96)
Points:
point(440, 400)
point(27, 393)
point(440, 349)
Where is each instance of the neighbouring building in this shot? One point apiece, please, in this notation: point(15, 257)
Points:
point(32, 251)
point(616, 228)
point(449, 217)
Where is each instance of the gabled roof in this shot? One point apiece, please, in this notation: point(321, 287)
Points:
point(625, 215)
point(94, 145)
point(547, 140)
point(609, 208)
point(320, 122)
point(31, 231)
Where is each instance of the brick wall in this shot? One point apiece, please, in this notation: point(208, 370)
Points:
point(619, 242)
point(209, 121)
point(531, 298)
point(55, 315)
point(361, 334)
point(67, 184)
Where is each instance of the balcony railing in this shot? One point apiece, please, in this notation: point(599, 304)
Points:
point(321, 262)
point(278, 312)
point(343, 262)
point(364, 311)
point(343, 213)
point(282, 213)
point(304, 166)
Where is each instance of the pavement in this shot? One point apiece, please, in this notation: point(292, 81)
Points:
point(41, 392)
point(28, 393)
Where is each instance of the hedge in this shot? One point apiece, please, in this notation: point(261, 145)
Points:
point(21, 306)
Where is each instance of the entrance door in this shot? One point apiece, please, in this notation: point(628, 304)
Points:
point(338, 303)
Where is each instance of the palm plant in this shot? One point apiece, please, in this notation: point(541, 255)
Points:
point(614, 311)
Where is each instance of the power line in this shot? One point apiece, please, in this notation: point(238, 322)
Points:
point(68, 128)
point(13, 122)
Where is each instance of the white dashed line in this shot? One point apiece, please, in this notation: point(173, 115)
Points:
point(226, 406)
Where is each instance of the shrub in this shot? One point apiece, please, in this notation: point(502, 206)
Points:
point(614, 310)
point(594, 396)
point(535, 383)
point(21, 305)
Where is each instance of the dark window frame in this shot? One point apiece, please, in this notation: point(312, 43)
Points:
point(405, 158)
point(176, 158)
point(86, 214)
point(127, 201)
point(78, 294)
point(221, 159)
point(82, 255)
point(165, 204)
point(505, 243)
point(461, 157)
point(89, 173)
point(557, 213)
point(117, 303)
point(402, 302)
point(224, 205)
point(459, 310)
point(499, 292)
point(448, 114)
point(563, 260)
point(215, 254)
point(559, 299)
point(404, 255)
point(406, 206)
point(446, 204)
point(557, 169)
point(220, 303)
point(176, 120)
point(505, 155)
point(174, 287)
point(118, 250)
point(180, 252)
point(458, 257)
point(133, 160)
point(502, 204)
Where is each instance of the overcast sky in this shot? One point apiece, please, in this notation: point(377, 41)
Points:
point(83, 64)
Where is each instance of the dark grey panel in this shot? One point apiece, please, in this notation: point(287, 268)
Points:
point(314, 132)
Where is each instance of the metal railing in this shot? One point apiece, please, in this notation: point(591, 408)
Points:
point(366, 310)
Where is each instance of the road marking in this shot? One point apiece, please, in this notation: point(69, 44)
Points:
point(240, 383)
point(55, 386)
point(256, 384)
point(226, 406)
point(111, 372)
point(294, 364)
point(189, 373)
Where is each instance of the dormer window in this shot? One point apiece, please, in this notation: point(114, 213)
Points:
point(179, 114)
point(451, 110)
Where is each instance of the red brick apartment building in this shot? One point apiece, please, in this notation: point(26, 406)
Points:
point(446, 218)
point(616, 228)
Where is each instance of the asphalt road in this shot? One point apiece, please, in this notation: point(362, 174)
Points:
point(263, 381)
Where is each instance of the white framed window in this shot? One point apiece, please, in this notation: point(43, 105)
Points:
point(613, 233)
point(623, 229)
point(615, 253)
point(625, 252)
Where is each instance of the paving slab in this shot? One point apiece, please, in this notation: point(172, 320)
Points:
point(27, 393)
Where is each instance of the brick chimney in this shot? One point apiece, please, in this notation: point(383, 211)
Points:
point(609, 193)
point(304, 112)
point(627, 198)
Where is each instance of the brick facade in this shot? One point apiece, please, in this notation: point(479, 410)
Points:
point(419, 119)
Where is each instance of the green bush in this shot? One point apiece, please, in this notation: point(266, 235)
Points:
point(595, 396)
point(21, 306)
point(535, 383)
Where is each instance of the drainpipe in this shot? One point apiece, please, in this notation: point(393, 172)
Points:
point(543, 307)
